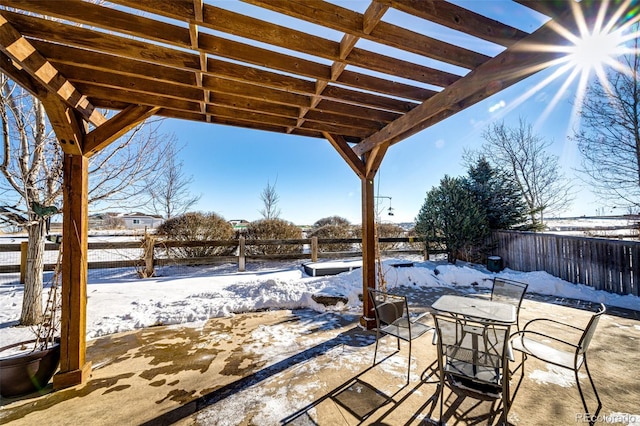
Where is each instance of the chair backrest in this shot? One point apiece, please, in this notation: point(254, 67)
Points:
point(388, 307)
point(590, 330)
point(509, 291)
point(472, 350)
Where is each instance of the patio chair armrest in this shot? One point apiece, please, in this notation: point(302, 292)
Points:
point(547, 321)
point(525, 334)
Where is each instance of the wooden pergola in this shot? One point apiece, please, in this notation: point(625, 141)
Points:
point(199, 60)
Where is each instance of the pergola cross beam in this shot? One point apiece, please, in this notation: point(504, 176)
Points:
point(26, 57)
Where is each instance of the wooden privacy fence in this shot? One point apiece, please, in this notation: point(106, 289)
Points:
point(611, 265)
point(140, 255)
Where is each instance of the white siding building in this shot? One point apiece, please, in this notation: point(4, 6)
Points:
point(141, 221)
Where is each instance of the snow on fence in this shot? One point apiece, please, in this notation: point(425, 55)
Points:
point(604, 264)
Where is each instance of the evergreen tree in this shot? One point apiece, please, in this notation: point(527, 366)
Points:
point(450, 213)
point(496, 195)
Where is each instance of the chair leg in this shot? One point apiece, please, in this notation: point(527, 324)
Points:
point(409, 364)
point(521, 366)
point(593, 416)
point(376, 351)
point(441, 390)
point(506, 400)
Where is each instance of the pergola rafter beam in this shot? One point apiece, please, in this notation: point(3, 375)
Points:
point(266, 32)
point(507, 68)
point(344, 20)
point(29, 59)
point(460, 19)
point(372, 17)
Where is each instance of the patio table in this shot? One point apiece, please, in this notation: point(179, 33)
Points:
point(476, 309)
point(471, 307)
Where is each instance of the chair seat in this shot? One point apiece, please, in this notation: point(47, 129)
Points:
point(486, 374)
point(400, 329)
point(467, 387)
point(545, 352)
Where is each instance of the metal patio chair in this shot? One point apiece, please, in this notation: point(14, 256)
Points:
point(473, 361)
point(558, 350)
point(511, 292)
point(393, 319)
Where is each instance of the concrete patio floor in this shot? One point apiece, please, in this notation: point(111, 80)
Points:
point(307, 368)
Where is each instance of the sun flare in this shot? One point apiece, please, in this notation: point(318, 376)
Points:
point(595, 44)
point(593, 51)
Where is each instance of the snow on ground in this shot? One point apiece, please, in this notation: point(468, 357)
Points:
point(125, 302)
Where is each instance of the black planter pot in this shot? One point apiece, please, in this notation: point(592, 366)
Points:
point(28, 372)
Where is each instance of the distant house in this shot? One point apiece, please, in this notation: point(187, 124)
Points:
point(116, 220)
point(141, 221)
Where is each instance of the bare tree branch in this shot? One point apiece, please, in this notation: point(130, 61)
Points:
point(523, 156)
point(270, 199)
point(169, 190)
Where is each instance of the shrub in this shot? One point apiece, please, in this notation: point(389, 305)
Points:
point(198, 227)
point(331, 220)
point(383, 230)
point(273, 229)
point(113, 222)
point(390, 230)
point(333, 227)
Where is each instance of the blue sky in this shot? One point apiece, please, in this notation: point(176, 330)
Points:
point(231, 166)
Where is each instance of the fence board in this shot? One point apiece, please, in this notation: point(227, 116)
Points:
point(635, 270)
point(626, 271)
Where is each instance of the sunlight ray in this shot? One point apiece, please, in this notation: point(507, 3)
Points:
point(559, 94)
point(536, 89)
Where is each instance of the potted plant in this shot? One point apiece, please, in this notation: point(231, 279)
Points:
point(29, 371)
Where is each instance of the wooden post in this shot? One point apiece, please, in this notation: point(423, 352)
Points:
point(241, 254)
point(149, 244)
point(23, 260)
point(314, 249)
point(368, 252)
point(73, 367)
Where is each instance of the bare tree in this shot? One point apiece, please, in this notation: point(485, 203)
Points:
point(33, 172)
point(270, 200)
point(31, 167)
point(169, 190)
point(523, 155)
point(609, 139)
